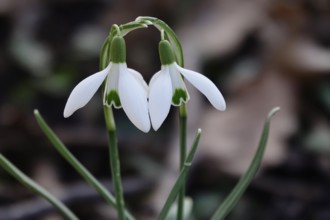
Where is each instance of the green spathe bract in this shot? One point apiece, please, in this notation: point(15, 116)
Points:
point(166, 53)
point(118, 50)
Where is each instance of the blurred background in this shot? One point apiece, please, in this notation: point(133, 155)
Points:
point(260, 54)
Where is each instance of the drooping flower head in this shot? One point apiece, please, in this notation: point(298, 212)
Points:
point(167, 87)
point(124, 88)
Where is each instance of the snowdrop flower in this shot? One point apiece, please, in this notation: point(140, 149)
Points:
point(124, 88)
point(167, 87)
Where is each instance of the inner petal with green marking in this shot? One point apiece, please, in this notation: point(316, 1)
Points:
point(179, 95)
point(112, 98)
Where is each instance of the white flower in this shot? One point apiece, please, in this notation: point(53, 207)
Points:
point(167, 87)
point(124, 88)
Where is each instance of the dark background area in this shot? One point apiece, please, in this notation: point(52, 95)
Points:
point(260, 53)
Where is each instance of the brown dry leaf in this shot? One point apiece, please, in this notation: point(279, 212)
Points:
point(220, 28)
point(46, 175)
point(305, 56)
point(231, 138)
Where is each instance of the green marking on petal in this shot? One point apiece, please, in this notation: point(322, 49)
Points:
point(180, 95)
point(113, 98)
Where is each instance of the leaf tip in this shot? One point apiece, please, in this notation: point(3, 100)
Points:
point(36, 112)
point(273, 111)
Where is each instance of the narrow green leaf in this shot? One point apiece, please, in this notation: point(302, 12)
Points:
point(181, 178)
point(31, 184)
point(234, 196)
point(60, 147)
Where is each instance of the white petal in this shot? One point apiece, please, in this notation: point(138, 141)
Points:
point(84, 91)
point(133, 100)
point(205, 86)
point(139, 77)
point(160, 98)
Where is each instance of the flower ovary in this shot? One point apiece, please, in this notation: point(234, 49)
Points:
point(166, 53)
point(118, 50)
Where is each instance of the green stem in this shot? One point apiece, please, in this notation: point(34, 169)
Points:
point(109, 119)
point(114, 162)
point(183, 149)
point(28, 182)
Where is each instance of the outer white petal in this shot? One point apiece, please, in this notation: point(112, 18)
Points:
point(139, 77)
point(133, 99)
point(205, 86)
point(84, 91)
point(160, 98)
